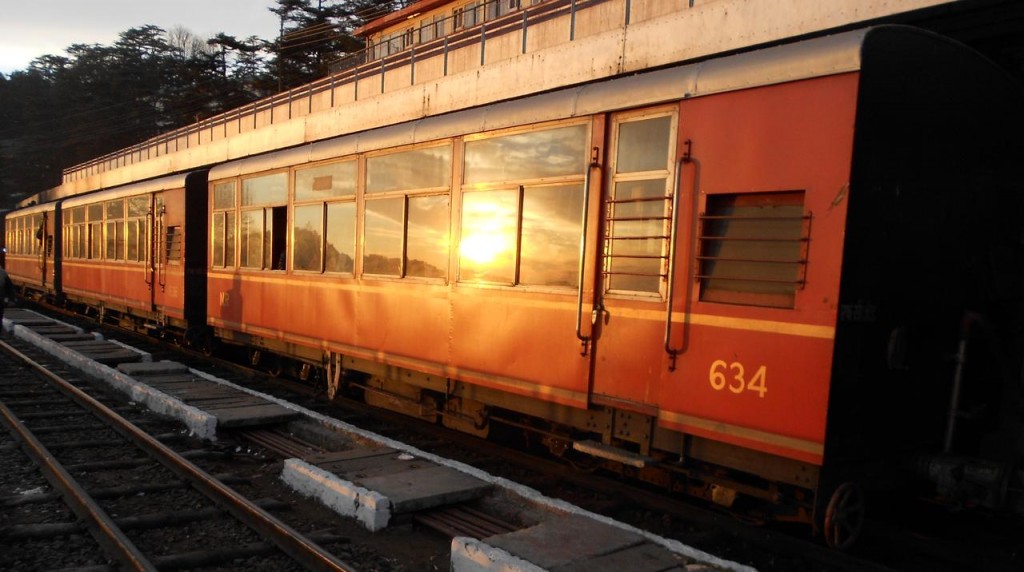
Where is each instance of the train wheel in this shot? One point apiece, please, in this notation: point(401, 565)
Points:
point(844, 517)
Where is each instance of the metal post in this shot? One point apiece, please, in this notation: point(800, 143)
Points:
point(524, 31)
point(446, 55)
point(483, 41)
point(572, 21)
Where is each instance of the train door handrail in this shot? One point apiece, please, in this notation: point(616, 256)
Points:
point(673, 233)
point(585, 219)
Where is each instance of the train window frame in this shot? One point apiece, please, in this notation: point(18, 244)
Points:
point(14, 236)
point(223, 224)
point(374, 197)
point(318, 198)
point(94, 212)
point(771, 231)
point(263, 202)
point(637, 200)
point(114, 230)
point(72, 222)
point(137, 234)
point(479, 247)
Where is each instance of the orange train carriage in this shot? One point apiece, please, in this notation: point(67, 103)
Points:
point(740, 278)
point(30, 253)
point(119, 254)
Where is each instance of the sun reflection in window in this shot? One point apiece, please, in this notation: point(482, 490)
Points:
point(485, 246)
point(488, 245)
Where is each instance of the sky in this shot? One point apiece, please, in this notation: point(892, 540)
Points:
point(32, 29)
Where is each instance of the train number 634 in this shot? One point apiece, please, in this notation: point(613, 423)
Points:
point(733, 376)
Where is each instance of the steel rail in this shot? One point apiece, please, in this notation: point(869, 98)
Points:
point(99, 523)
point(297, 546)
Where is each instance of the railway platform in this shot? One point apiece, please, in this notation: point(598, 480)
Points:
point(377, 481)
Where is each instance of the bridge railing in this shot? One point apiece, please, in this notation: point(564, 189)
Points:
point(422, 55)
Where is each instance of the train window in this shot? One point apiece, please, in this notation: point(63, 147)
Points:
point(323, 226)
point(558, 152)
point(643, 145)
point(138, 208)
point(217, 240)
point(275, 238)
point(426, 168)
point(115, 230)
point(528, 236)
point(308, 237)
point(326, 182)
point(115, 209)
point(753, 248)
point(405, 229)
point(263, 232)
point(223, 239)
point(224, 195)
point(427, 236)
point(522, 206)
point(80, 233)
point(340, 247)
point(69, 233)
point(638, 208)
point(15, 240)
point(551, 228)
point(383, 233)
point(222, 235)
point(265, 190)
point(96, 240)
point(134, 233)
point(487, 252)
point(251, 234)
point(638, 236)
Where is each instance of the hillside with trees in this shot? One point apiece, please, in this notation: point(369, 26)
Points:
point(95, 99)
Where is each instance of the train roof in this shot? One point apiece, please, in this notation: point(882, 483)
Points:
point(817, 57)
point(153, 185)
point(33, 209)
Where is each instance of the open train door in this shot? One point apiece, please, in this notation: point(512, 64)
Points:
point(47, 235)
point(41, 232)
point(634, 289)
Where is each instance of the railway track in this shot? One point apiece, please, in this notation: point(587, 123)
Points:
point(47, 402)
point(886, 545)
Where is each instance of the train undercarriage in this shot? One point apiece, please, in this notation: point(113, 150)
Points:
point(755, 486)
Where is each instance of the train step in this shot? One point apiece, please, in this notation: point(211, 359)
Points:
point(602, 451)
